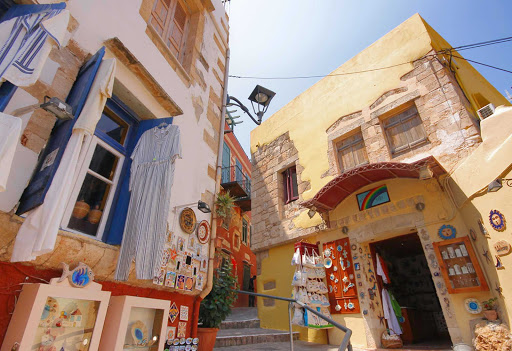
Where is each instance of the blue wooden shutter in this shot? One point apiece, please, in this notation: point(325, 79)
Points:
point(117, 218)
point(36, 190)
point(226, 162)
point(238, 172)
point(7, 90)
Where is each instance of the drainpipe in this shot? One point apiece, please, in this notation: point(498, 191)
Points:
point(213, 236)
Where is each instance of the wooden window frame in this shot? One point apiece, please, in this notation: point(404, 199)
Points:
point(288, 184)
point(387, 125)
point(79, 180)
point(340, 146)
point(169, 24)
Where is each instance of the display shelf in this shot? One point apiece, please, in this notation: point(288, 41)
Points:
point(57, 316)
point(135, 320)
point(459, 266)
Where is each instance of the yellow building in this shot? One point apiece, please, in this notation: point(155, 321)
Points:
point(397, 160)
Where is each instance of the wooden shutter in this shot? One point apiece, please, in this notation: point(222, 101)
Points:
point(226, 159)
point(117, 218)
point(159, 15)
point(7, 90)
point(49, 161)
point(177, 29)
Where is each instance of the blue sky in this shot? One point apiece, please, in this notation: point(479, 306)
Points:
point(297, 37)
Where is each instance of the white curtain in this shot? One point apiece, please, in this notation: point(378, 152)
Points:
point(38, 233)
point(10, 131)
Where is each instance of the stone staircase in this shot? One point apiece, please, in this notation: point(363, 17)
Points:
point(242, 327)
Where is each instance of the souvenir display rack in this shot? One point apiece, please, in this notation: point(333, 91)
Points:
point(308, 260)
point(135, 323)
point(340, 274)
point(56, 316)
point(459, 266)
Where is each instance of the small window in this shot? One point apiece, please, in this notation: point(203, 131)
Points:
point(245, 234)
point(170, 20)
point(351, 152)
point(405, 131)
point(291, 190)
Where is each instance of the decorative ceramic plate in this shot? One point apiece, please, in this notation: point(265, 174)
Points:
point(339, 248)
point(189, 341)
point(497, 220)
point(188, 220)
point(447, 232)
point(139, 333)
point(183, 341)
point(327, 263)
point(327, 252)
point(176, 342)
point(473, 306)
point(203, 232)
point(195, 341)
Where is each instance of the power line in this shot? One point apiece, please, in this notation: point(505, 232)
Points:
point(443, 51)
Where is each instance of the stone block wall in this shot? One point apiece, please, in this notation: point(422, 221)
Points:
point(272, 218)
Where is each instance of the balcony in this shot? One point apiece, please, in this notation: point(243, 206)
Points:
point(239, 186)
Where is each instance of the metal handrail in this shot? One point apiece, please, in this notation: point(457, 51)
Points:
point(345, 343)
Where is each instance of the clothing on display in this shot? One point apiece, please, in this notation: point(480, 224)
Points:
point(152, 174)
point(389, 313)
point(10, 131)
point(382, 270)
point(38, 233)
point(26, 42)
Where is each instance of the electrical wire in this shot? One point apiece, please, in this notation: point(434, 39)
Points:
point(442, 51)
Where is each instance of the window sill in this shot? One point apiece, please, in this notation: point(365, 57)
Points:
point(168, 55)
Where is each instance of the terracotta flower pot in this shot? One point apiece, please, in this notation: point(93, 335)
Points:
point(491, 315)
point(94, 216)
point(207, 338)
point(81, 209)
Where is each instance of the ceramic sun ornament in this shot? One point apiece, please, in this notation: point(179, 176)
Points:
point(79, 277)
point(447, 232)
point(497, 220)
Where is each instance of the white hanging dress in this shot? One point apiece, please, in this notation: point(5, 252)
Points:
point(152, 174)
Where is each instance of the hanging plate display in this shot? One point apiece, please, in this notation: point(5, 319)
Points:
point(188, 220)
point(203, 232)
point(473, 306)
point(447, 232)
point(497, 220)
point(139, 333)
point(327, 263)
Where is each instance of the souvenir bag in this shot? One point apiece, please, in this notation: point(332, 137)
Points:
point(308, 260)
point(298, 316)
point(320, 273)
point(312, 285)
point(321, 287)
point(296, 258)
point(311, 272)
point(319, 262)
point(298, 278)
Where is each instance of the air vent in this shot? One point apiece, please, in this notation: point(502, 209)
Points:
point(486, 111)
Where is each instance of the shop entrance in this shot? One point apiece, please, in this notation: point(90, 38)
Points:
point(409, 280)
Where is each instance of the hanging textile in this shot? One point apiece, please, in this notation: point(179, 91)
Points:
point(382, 270)
point(152, 174)
point(389, 313)
point(396, 306)
point(38, 233)
point(26, 42)
point(10, 131)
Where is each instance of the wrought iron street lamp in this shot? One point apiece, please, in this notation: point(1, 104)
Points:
point(260, 99)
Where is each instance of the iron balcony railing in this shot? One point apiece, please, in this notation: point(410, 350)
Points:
point(235, 174)
point(345, 343)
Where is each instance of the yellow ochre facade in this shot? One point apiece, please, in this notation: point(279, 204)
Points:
point(459, 153)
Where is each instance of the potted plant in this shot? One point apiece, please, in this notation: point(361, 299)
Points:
point(490, 307)
point(224, 206)
point(216, 306)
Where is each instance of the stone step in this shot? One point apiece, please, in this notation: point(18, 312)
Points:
point(245, 336)
point(240, 324)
